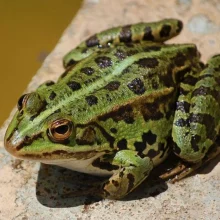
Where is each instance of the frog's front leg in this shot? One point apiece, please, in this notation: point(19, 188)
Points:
point(196, 123)
point(132, 171)
point(151, 32)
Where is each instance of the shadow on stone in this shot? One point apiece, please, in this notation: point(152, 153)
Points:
point(58, 187)
point(151, 187)
point(209, 166)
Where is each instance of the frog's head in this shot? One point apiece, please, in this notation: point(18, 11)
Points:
point(42, 132)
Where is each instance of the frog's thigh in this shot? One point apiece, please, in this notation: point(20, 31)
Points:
point(132, 171)
point(77, 54)
point(152, 32)
point(196, 122)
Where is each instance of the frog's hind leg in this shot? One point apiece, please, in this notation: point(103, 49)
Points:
point(196, 124)
point(151, 32)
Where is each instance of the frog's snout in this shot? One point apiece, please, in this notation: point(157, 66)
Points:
point(13, 143)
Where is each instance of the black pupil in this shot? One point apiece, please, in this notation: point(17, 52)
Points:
point(20, 100)
point(62, 129)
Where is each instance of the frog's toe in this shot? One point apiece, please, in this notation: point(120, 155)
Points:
point(173, 172)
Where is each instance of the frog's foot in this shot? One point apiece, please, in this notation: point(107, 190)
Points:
point(182, 169)
point(179, 172)
point(132, 171)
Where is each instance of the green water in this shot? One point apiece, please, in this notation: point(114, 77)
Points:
point(29, 30)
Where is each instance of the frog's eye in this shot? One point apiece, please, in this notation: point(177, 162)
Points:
point(31, 103)
point(60, 130)
point(21, 101)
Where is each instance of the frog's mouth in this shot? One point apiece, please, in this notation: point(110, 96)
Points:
point(42, 150)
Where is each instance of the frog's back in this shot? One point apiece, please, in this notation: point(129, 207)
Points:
point(115, 77)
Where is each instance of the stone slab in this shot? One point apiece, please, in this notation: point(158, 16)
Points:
point(29, 190)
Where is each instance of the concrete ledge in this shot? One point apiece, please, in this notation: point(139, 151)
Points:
point(31, 191)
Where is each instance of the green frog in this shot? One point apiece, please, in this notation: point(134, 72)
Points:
point(125, 101)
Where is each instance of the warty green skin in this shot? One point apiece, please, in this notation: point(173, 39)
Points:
point(128, 96)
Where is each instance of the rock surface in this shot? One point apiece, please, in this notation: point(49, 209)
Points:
point(31, 191)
